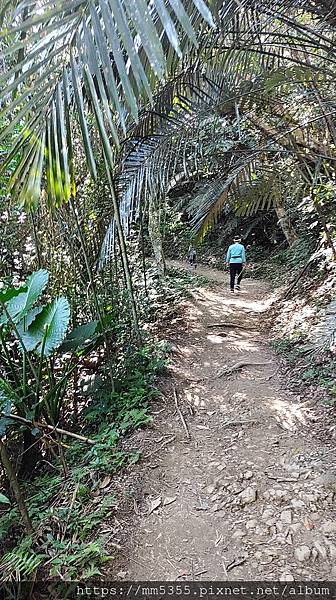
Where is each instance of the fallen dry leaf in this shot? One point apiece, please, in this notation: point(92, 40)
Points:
point(308, 524)
point(169, 500)
point(155, 504)
point(105, 482)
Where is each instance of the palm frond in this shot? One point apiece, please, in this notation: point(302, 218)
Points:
point(102, 57)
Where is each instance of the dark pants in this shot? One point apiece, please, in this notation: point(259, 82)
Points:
point(235, 269)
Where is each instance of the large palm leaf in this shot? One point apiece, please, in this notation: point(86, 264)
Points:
point(105, 55)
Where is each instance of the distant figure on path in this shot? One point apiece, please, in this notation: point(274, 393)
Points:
point(236, 260)
point(191, 258)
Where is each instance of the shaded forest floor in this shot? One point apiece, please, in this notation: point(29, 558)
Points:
point(237, 479)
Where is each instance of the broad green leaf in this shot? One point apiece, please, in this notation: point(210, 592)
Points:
point(55, 318)
point(19, 306)
point(24, 325)
point(79, 337)
point(4, 499)
point(11, 293)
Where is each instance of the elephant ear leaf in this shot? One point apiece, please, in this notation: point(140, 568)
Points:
point(28, 340)
point(4, 499)
point(79, 337)
point(20, 304)
point(11, 293)
point(49, 327)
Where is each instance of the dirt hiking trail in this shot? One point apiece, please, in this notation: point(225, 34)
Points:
point(239, 485)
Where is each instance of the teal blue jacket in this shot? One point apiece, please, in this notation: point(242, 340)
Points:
point(236, 254)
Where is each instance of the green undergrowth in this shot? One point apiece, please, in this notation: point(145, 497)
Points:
point(184, 281)
point(316, 370)
point(70, 514)
point(282, 264)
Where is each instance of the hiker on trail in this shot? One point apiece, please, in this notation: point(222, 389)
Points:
point(191, 258)
point(236, 261)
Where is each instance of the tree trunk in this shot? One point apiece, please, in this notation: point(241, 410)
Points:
point(15, 486)
point(286, 226)
point(30, 455)
point(154, 231)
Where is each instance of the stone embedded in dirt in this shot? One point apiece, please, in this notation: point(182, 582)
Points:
point(279, 526)
point(251, 524)
point(260, 530)
point(267, 514)
point(248, 496)
point(122, 574)
point(295, 527)
point(239, 533)
point(286, 577)
point(248, 475)
point(266, 560)
point(331, 550)
point(328, 527)
point(327, 480)
point(297, 503)
point(302, 553)
point(308, 524)
point(236, 488)
point(321, 550)
point(282, 495)
point(286, 517)
point(210, 489)
point(310, 497)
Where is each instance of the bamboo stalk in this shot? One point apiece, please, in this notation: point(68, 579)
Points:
point(123, 252)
